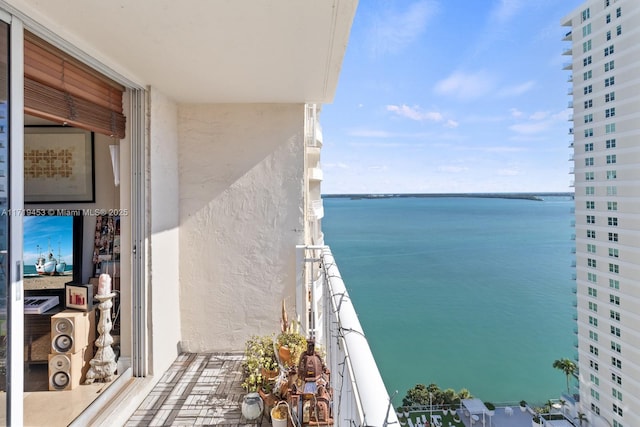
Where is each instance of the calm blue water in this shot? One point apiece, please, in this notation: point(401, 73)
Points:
point(461, 292)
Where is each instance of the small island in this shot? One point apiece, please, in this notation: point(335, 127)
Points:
point(521, 196)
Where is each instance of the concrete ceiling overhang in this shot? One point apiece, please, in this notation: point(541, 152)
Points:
point(203, 51)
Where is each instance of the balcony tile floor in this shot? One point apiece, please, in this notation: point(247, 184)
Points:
point(197, 390)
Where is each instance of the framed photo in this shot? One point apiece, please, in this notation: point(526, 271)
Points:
point(78, 297)
point(58, 165)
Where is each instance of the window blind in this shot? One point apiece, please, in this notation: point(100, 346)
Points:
point(58, 87)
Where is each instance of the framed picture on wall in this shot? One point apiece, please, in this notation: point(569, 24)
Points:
point(58, 165)
point(78, 297)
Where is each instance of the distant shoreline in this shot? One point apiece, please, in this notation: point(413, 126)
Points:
point(522, 196)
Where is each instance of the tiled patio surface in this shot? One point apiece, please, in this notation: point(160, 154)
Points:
point(198, 390)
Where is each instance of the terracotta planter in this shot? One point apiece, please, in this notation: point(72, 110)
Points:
point(285, 355)
point(269, 400)
point(269, 375)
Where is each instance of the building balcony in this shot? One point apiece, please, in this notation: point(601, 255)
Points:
point(567, 52)
point(316, 209)
point(315, 174)
point(570, 91)
point(570, 131)
point(359, 395)
point(568, 37)
point(567, 66)
point(570, 104)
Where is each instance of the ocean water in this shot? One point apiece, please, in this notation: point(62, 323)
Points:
point(461, 292)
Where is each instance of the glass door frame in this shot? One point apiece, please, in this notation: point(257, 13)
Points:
point(15, 291)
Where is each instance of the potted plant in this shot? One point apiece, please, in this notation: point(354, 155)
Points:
point(291, 343)
point(260, 361)
point(536, 421)
point(523, 405)
point(280, 414)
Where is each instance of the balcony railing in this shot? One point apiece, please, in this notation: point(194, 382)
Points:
point(359, 395)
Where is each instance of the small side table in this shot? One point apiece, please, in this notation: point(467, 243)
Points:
point(103, 364)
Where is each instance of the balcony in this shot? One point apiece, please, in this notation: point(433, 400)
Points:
point(359, 394)
point(567, 52)
point(570, 104)
point(316, 209)
point(567, 37)
point(567, 66)
point(570, 91)
point(315, 174)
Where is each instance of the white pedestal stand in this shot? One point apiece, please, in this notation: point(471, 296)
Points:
point(103, 364)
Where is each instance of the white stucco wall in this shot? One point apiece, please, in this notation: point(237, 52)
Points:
point(163, 246)
point(241, 194)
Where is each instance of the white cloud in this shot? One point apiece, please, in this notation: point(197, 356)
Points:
point(465, 85)
point(370, 133)
point(539, 115)
point(517, 90)
point(506, 9)
point(451, 124)
point(393, 30)
point(531, 128)
point(516, 113)
point(452, 169)
point(508, 172)
point(414, 113)
point(335, 166)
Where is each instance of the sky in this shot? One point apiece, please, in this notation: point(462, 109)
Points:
point(44, 232)
point(451, 96)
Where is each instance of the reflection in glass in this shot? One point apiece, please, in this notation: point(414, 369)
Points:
point(4, 203)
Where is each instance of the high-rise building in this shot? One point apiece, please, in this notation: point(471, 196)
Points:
point(605, 134)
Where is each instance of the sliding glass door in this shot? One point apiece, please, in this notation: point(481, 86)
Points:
point(4, 219)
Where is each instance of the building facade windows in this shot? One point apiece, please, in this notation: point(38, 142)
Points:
point(588, 103)
point(610, 128)
point(588, 146)
point(591, 234)
point(614, 299)
point(588, 118)
point(608, 66)
point(614, 268)
point(588, 89)
point(589, 176)
point(613, 237)
point(611, 96)
point(613, 252)
point(614, 284)
point(611, 159)
point(612, 190)
point(587, 75)
point(612, 221)
point(610, 143)
point(588, 161)
point(590, 190)
point(607, 50)
point(610, 112)
point(588, 133)
point(591, 219)
point(609, 81)
point(612, 206)
point(590, 204)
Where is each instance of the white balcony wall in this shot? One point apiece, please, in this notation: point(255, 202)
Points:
point(241, 172)
point(164, 231)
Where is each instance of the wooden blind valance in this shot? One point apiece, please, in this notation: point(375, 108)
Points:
point(60, 88)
